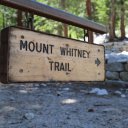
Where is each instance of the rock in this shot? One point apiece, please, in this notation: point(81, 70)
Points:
point(59, 93)
point(91, 110)
point(114, 67)
point(36, 85)
point(29, 116)
point(124, 76)
point(42, 84)
point(66, 89)
point(99, 91)
point(12, 98)
point(126, 67)
point(84, 91)
point(22, 85)
point(102, 92)
point(118, 93)
point(94, 90)
point(112, 75)
point(123, 96)
point(117, 57)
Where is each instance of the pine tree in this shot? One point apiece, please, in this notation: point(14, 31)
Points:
point(89, 14)
point(112, 20)
point(122, 20)
point(19, 18)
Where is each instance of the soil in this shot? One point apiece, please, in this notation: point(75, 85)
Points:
point(61, 105)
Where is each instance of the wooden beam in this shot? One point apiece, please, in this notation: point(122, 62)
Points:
point(55, 14)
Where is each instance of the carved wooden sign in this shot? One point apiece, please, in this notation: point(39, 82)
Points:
point(30, 56)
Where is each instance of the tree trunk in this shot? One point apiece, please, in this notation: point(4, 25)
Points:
point(89, 14)
point(122, 23)
point(19, 18)
point(65, 26)
point(112, 21)
point(59, 30)
point(29, 20)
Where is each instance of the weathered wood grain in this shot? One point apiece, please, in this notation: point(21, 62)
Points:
point(33, 57)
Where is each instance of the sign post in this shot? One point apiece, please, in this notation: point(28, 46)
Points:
point(30, 56)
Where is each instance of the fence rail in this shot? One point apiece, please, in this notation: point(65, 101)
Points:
point(54, 14)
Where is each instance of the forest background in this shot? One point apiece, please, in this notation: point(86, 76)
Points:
point(112, 13)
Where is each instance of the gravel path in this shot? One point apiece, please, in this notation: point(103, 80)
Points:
point(61, 106)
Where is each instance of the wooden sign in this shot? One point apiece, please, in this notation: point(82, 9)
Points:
point(29, 56)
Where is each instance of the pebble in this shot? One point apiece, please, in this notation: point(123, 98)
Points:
point(59, 93)
point(117, 93)
point(42, 84)
point(84, 91)
point(123, 96)
point(99, 92)
point(66, 89)
point(36, 85)
point(94, 90)
point(12, 98)
point(22, 85)
point(29, 116)
point(91, 110)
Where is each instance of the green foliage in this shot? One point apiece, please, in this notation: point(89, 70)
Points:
point(100, 11)
point(54, 27)
point(44, 24)
point(7, 16)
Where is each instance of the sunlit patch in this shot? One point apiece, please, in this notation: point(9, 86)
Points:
point(69, 101)
point(23, 91)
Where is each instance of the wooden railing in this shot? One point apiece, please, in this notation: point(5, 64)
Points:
point(55, 14)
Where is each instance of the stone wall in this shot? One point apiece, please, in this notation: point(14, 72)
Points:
point(116, 47)
point(117, 71)
point(117, 61)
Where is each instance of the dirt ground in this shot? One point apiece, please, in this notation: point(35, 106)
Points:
point(61, 105)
